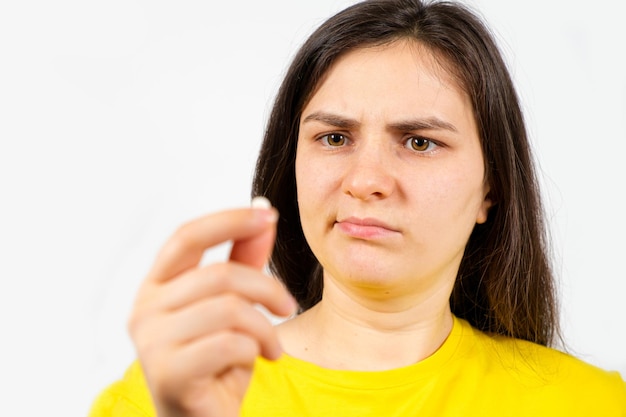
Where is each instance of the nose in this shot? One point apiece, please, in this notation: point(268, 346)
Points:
point(369, 173)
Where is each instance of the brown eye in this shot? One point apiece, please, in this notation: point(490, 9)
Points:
point(419, 144)
point(334, 139)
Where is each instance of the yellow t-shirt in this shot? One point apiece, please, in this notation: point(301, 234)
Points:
point(472, 374)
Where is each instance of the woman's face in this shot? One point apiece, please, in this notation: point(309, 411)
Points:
point(389, 171)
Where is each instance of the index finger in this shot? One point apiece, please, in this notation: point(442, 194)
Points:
point(184, 249)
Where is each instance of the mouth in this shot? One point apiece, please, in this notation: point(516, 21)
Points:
point(365, 228)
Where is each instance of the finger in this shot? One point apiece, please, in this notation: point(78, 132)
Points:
point(229, 277)
point(255, 250)
point(214, 355)
point(226, 312)
point(185, 248)
point(200, 366)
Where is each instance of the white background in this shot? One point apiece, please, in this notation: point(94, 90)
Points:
point(121, 119)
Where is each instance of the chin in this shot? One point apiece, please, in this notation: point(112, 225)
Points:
point(368, 277)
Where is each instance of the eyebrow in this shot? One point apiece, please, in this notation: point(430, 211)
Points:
point(428, 123)
point(331, 119)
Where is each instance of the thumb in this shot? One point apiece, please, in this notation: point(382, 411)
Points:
point(255, 250)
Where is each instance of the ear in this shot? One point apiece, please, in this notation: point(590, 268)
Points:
point(483, 210)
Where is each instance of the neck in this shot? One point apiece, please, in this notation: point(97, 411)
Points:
point(355, 332)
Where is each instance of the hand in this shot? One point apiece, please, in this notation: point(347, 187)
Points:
point(195, 328)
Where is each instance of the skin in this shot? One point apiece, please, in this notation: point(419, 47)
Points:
point(388, 223)
point(196, 329)
point(391, 182)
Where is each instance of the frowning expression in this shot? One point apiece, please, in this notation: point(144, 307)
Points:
point(389, 170)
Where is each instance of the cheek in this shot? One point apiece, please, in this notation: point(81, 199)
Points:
point(307, 187)
point(313, 178)
point(302, 185)
point(453, 195)
point(309, 198)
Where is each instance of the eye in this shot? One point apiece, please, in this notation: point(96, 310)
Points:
point(334, 139)
point(419, 144)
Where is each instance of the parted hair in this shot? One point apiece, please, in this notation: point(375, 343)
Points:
point(505, 283)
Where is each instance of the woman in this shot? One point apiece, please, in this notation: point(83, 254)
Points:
point(410, 235)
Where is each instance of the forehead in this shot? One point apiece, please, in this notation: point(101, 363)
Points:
point(401, 70)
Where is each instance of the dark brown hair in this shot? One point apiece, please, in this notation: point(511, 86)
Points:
point(505, 283)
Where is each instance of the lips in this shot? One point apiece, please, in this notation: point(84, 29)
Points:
point(365, 228)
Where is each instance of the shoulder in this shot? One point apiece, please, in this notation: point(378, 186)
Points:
point(128, 397)
point(547, 374)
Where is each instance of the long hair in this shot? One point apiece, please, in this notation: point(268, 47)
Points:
point(505, 283)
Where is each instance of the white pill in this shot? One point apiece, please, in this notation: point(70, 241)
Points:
point(261, 202)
